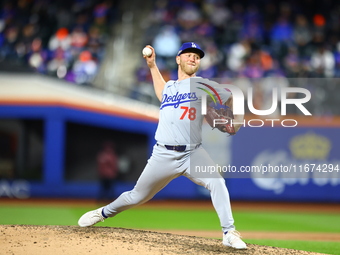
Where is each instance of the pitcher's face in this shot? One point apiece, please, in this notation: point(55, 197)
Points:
point(188, 62)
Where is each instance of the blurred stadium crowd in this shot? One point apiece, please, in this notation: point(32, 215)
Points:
point(243, 40)
point(251, 38)
point(64, 38)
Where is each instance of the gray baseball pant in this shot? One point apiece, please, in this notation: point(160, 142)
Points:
point(165, 165)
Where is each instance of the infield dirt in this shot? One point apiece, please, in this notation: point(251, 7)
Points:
point(38, 240)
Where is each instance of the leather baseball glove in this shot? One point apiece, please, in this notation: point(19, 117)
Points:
point(221, 119)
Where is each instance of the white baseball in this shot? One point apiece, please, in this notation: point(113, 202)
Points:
point(147, 52)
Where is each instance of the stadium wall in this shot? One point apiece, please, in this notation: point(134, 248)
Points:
point(300, 149)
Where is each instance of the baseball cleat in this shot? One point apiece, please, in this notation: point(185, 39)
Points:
point(92, 217)
point(232, 238)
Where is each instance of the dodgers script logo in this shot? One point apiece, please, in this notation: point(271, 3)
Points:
point(178, 99)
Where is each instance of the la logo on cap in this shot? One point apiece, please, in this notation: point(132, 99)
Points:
point(193, 45)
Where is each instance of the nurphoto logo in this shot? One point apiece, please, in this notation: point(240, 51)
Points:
point(238, 106)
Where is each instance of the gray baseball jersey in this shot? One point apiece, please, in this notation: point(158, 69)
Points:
point(180, 119)
point(180, 123)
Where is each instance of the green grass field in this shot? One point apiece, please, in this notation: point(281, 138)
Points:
point(203, 219)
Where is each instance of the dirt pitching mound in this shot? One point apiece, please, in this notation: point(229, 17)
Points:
point(28, 239)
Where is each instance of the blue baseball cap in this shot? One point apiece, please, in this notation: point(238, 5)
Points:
point(192, 47)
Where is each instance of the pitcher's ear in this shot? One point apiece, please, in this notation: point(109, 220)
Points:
point(177, 60)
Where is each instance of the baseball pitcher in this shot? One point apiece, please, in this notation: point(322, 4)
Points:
point(178, 148)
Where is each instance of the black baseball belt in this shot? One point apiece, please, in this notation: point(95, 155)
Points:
point(176, 147)
point(179, 148)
